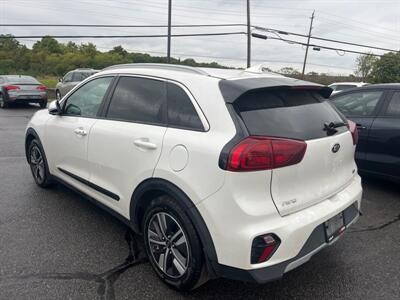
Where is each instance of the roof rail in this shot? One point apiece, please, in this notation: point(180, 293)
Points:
point(84, 69)
point(171, 67)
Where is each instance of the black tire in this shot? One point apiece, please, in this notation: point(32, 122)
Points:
point(40, 173)
point(3, 103)
point(43, 104)
point(194, 262)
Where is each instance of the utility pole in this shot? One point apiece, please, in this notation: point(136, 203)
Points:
point(248, 35)
point(169, 31)
point(308, 44)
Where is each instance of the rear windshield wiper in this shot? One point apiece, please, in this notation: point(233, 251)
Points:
point(330, 128)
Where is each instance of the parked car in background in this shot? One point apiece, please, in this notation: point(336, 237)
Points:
point(71, 79)
point(21, 89)
point(224, 172)
point(342, 86)
point(376, 111)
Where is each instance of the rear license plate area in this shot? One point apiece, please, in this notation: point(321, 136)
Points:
point(334, 227)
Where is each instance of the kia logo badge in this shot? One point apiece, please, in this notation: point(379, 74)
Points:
point(335, 148)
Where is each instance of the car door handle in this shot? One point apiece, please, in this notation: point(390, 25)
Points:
point(359, 126)
point(80, 132)
point(145, 144)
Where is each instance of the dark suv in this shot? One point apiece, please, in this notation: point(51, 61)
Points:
point(71, 79)
point(376, 111)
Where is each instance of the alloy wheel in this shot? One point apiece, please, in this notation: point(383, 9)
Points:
point(168, 245)
point(37, 164)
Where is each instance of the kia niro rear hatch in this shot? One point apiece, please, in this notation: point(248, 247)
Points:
point(298, 135)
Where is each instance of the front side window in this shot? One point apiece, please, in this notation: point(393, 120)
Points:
point(139, 100)
point(181, 112)
point(80, 76)
point(358, 104)
point(68, 77)
point(86, 101)
point(393, 109)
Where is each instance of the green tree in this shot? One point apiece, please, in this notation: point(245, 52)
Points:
point(88, 49)
point(119, 50)
point(364, 66)
point(8, 43)
point(48, 45)
point(386, 69)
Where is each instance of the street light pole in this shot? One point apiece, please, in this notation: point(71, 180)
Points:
point(248, 35)
point(308, 44)
point(169, 31)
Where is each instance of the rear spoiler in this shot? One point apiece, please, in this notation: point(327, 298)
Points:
point(231, 90)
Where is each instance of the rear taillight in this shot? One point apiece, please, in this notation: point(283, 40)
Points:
point(354, 131)
point(263, 247)
point(265, 153)
point(42, 88)
point(11, 87)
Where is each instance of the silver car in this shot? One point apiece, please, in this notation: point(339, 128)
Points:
point(71, 79)
point(21, 89)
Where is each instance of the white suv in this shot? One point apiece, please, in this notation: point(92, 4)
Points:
point(225, 173)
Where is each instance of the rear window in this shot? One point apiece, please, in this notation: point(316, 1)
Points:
point(287, 113)
point(342, 87)
point(21, 79)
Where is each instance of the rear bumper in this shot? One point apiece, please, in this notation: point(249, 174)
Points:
point(34, 98)
point(315, 243)
point(235, 216)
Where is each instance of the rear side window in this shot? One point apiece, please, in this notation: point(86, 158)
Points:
point(288, 113)
point(359, 103)
point(393, 109)
point(139, 100)
point(181, 112)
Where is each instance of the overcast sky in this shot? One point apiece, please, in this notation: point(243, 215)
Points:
point(375, 23)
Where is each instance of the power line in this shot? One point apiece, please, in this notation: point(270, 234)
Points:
point(318, 46)
point(122, 25)
point(199, 25)
point(123, 36)
point(324, 39)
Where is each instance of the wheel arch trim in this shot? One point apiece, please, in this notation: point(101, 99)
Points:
point(165, 187)
point(30, 132)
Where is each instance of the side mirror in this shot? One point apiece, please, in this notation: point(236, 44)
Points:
point(60, 80)
point(55, 108)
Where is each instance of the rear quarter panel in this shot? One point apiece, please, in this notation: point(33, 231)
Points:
point(200, 176)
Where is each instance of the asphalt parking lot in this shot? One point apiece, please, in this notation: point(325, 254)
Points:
point(56, 245)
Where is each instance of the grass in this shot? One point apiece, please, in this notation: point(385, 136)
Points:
point(49, 81)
